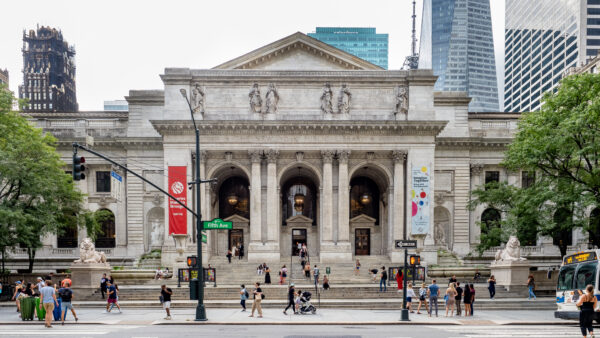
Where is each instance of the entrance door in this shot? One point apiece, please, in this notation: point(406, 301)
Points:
point(298, 237)
point(362, 242)
point(236, 238)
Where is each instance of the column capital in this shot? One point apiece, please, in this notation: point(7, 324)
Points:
point(476, 168)
point(272, 155)
point(327, 155)
point(342, 156)
point(255, 155)
point(399, 156)
point(203, 156)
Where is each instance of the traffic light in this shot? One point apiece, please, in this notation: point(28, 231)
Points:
point(78, 168)
point(191, 261)
point(415, 260)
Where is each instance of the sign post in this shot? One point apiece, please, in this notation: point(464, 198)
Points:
point(217, 224)
point(115, 185)
point(405, 244)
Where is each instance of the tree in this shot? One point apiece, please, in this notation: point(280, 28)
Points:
point(37, 197)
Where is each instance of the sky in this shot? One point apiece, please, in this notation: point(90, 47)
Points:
point(126, 44)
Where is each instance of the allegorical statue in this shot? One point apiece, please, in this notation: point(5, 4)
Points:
point(344, 100)
point(401, 100)
point(440, 234)
point(88, 253)
point(197, 99)
point(255, 99)
point(271, 99)
point(512, 251)
point(326, 98)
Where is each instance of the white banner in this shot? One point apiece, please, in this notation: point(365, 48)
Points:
point(420, 200)
point(115, 185)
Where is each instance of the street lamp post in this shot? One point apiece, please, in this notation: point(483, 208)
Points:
point(200, 309)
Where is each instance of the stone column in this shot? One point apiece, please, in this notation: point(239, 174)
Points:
point(398, 205)
point(343, 243)
point(255, 196)
point(475, 231)
point(327, 245)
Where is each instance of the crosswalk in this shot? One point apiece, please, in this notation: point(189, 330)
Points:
point(58, 330)
point(510, 331)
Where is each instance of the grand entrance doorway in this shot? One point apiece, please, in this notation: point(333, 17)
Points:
point(298, 237)
point(362, 242)
point(236, 238)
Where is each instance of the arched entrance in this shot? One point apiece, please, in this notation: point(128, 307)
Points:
point(490, 226)
point(442, 234)
point(106, 238)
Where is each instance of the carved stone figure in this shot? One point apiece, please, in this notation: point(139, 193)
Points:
point(197, 99)
point(344, 100)
point(157, 234)
point(88, 253)
point(255, 99)
point(326, 99)
point(271, 99)
point(401, 100)
point(440, 234)
point(512, 251)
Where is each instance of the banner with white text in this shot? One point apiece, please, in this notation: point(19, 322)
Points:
point(177, 213)
point(420, 200)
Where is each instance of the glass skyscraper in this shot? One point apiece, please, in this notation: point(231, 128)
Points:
point(362, 42)
point(457, 43)
point(543, 39)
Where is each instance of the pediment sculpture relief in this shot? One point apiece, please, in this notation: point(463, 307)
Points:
point(326, 99)
point(401, 100)
point(255, 99)
point(197, 99)
point(344, 100)
point(271, 99)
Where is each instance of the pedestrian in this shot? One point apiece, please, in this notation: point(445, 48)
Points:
point(307, 270)
point(452, 280)
point(66, 281)
point(298, 247)
point(410, 295)
point(18, 289)
point(103, 281)
point(243, 297)
point(467, 300)
point(374, 274)
point(241, 251)
point(29, 290)
point(302, 263)
point(284, 272)
point(422, 298)
point(400, 279)
point(588, 304)
point(433, 291)
point(111, 279)
point(234, 250)
point(291, 303)
point(267, 274)
point(357, 268)
point(325, 282)
point(40, 284)
point(165, 294)
point(316, 275)
point(450, 299)
point(158, 274)
point(298, 301)
point(383, 280)
point(66, 296)
point(111, 290)
point(492, 286)
point(259, 270)
point(458, 298)
point(472, 288)
point(477, 276)
point(229, 254)
point(258, 297)
point(48, 301)
point(531, 287)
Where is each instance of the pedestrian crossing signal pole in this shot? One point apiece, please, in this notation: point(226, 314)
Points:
point(404, 312)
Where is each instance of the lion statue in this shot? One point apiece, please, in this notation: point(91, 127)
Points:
point(512, 251)
point(88, 253)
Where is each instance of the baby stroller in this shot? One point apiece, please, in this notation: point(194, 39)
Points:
point(305, 305)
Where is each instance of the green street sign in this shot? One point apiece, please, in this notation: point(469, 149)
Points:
point(217, 224)
point(203, 238)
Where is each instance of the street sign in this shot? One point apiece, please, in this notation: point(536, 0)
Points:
point(217, 224)
point(203, 238)
point(115, 185)
point(406, 244)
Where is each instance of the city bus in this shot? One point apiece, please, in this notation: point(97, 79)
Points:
point(576, 272)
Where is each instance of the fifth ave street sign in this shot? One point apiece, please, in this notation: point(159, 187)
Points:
point(217, 224)
point(406, 244)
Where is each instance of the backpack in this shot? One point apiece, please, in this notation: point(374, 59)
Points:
point(246, 294)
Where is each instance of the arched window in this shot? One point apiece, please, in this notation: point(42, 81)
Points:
point(594, 231)
point(490, 221)
point(364, 198)
point(234, 198)
point(106, 239)
point(67, 238)
point(299, 197)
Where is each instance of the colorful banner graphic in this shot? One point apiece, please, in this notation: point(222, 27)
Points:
point(177, 188)
point(420, 200)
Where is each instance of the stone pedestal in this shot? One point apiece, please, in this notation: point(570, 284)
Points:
point(88, 275)
point(510, 273)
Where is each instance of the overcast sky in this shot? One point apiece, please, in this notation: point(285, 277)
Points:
point(123, 45)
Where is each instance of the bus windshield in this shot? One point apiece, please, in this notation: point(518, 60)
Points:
point(577, 276)
point(565, 277)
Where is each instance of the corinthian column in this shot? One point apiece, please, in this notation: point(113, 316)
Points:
point(327, 196)
point(399, 156)
point(255, 196)
point(343, 197)
point(272, 198)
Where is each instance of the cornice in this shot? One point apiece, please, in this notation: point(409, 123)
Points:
point(146, 97)
point(120, 142)
point(494, 116)
point(308, 127)
point(472, 142)
point(450, 99)
point(81, 115)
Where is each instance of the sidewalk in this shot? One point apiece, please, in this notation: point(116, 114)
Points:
point(155, 315)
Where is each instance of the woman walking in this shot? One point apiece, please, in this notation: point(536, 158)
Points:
point(357, 268)
point(467, 300)
point(588, 303)
point(492, 286)
point(284, 272)
point(400, 279)
point(472, 288)
point(257, 296)
point(243, 297)
point(531, 287)
point(422, 299)
point(410, 295)
point(267, 275)
point(450, 299)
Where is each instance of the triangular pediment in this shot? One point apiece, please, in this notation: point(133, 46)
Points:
point(237, 219)
point(362, 218)
point(298, 52)
point(298, 219)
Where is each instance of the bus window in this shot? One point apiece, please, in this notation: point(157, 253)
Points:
point(586, 274)
point(565, 277)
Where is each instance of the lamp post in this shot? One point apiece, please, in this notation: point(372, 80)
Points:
point(200, 309)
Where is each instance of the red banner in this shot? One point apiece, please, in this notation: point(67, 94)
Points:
point(177, 213)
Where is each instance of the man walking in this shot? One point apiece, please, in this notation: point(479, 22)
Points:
point(166, 293)
point(48, 301)
point(257, 296)
point(316, 274)
point(40, 284)
point(111, 290)
point(383, 280)
point(434, 291)
point(66, 295)
point(458, 298)
point(243, 297)
point(291, 303)
point(103, 281)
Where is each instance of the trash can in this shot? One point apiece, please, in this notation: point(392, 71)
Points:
point(41, 313)
point(27, 308)
point(56, 312)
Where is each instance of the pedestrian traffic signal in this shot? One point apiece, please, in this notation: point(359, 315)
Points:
point(191, 261)
point(415, 260)
point(78, 168)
